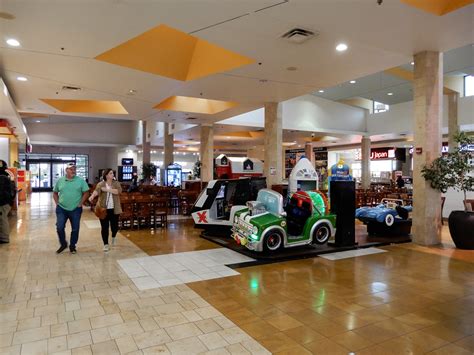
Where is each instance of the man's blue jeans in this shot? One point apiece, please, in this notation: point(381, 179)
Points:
point(74, 217)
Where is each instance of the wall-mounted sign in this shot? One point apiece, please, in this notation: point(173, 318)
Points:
point(127, 161)
point(377, 154)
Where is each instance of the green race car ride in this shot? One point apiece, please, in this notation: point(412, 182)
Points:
point(266, 226)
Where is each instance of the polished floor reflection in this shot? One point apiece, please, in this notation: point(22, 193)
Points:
point(408, 300)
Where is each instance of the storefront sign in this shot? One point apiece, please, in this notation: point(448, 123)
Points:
point(377, 154)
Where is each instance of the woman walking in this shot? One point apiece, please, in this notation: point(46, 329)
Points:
point(108, 191)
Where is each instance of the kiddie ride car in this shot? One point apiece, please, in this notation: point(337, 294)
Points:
point(388, 217)
point(265, 226)
point(217, 204)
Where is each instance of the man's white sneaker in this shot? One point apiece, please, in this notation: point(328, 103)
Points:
point(113, 240)
point(106, 247)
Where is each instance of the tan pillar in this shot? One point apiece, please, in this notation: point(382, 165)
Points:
point(453, 126)
point(145, 144)
point(14, 155)
point(272, 168)
point(207, 153)
point(168, 146)
point(308, 152)
point(365, 163)
point(428, 101)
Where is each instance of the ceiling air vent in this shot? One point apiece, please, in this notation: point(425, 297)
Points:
point(71, 88)
point(191, 118)
point(299, 35)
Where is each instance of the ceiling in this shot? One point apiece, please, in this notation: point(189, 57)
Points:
point(59, 41)
point(458, 61)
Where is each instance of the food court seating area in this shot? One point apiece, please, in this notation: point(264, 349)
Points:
point(151, 205)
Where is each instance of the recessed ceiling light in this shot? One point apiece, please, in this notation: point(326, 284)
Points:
point(412, 63)
point(390, 93)
point(132, 91)
point(38, 121)
point(21, 78)
point(352, 81)
point(341, 47)
point(321, 91)
point(13, 42)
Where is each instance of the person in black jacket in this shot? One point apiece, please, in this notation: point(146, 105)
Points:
point(7, 195)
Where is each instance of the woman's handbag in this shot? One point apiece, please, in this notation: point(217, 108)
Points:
point(101, 212)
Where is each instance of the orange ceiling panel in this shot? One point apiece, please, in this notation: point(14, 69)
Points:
point(438, 7)
point(87, 106)
point(174, 54)
point(194, 105)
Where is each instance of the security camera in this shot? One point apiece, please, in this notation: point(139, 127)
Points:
point(313, 135)
point(379, 2)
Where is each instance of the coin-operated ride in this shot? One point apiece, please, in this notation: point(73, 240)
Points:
point(266, 226)
point(217, 204)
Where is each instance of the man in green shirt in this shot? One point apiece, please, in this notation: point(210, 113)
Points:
point(70, 193)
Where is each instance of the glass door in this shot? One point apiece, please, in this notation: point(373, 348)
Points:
point(40, 176)
point(59, 170)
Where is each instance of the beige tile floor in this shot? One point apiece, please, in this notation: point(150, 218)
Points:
point(409, 300)
point(86, 304)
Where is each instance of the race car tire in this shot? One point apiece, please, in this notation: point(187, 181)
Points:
point(273, 241)
point(321, 234)
point(389, 220)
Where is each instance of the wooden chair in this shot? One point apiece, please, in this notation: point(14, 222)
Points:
point(160, 211)
point(143, 211)
point(128, 213)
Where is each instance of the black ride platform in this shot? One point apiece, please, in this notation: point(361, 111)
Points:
point(303, 252)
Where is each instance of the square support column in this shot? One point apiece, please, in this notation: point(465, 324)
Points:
point(453, 126)
point(365, 163)
point(207, 153)
point(145, 144)
point(308, 152)
point(272, 167)
point(168, 146)
point(428, 101)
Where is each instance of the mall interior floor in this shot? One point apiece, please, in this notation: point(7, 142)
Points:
point(411, 299)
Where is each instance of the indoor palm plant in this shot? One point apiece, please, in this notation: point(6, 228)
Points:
point(455, 170)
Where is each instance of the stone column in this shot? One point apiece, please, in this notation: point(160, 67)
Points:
point(428, 101)
point(272, 167)
point(168, 147)
point(145, 144)
point(453, 126)
point(207, 153)
point(365, 162)
point(308, 152)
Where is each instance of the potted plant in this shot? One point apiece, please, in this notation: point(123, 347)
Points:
point(197, 169)
point(149, 170)
point(455, 170)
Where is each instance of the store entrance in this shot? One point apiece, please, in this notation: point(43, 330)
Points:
point(40, 176)
point(45, 174)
